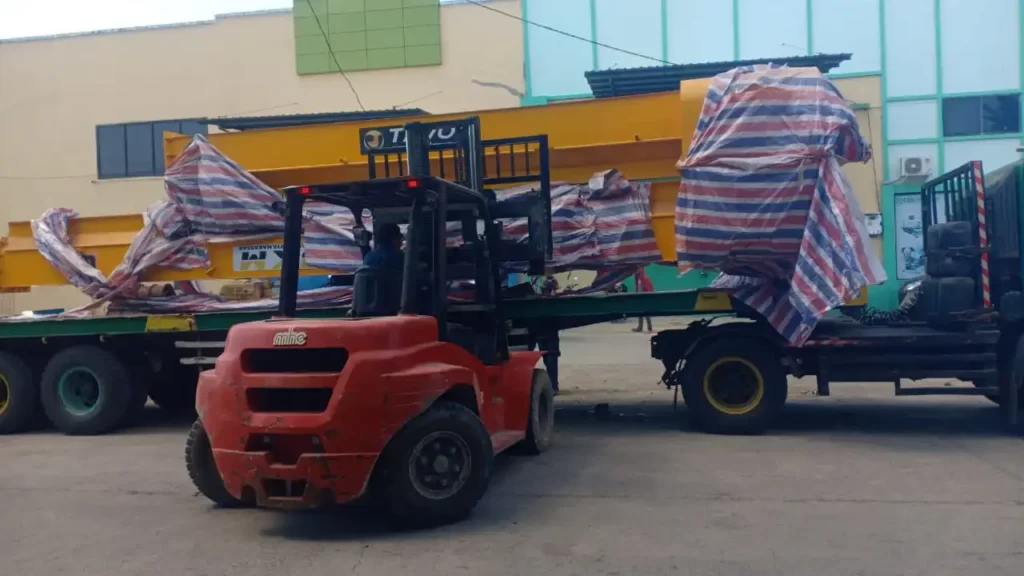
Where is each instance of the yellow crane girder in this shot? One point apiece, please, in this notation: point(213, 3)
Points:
point(642, 136)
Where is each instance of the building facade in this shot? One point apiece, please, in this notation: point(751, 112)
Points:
point(934, 83)
point(81, 116)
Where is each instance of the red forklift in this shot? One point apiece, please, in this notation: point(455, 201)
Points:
point(406, 402)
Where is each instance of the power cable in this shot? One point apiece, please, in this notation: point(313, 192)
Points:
point(335, 58)
point(567, 34)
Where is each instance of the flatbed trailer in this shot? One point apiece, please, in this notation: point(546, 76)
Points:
point(173, 348)
point(59, 360)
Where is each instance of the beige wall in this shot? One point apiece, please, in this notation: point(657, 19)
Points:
point(866, 179)
point(53, 93)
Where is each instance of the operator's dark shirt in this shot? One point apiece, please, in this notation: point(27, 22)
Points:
point(383, 257)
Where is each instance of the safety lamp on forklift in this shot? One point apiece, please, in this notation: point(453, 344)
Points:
point(305, 190)
point(412, 184)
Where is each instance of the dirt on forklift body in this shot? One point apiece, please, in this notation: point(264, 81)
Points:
point(408, 401)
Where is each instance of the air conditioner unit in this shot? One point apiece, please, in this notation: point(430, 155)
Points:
point(915, 166)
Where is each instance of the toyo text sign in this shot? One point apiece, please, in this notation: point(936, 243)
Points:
point(391, 139)
point(262, 258)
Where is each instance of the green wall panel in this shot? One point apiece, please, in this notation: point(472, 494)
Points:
point(366, 34)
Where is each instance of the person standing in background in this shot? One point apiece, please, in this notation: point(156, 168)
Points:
point(643, 284)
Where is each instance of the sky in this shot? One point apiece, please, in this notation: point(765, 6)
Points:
point(24, 18)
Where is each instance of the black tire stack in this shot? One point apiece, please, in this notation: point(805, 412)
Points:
point(950, 287)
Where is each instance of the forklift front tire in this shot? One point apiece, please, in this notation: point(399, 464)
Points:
point(734, 386)
point(436, 469)
point(202, 469)
point(540, 422)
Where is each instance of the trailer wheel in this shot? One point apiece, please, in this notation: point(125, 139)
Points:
point(202, 469)
point(541, 423)
point(436, 469)
point(734, 386)
point(18, 396)
point(86, 390)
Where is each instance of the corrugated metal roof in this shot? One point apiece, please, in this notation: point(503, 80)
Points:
point(650, 79)
point(260, 122)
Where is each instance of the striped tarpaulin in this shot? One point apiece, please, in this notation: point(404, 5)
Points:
point(603, 223)
point(764, 199)
point(211, 198)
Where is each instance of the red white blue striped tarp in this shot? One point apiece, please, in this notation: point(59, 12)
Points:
point(211, 198)
point(764, 199)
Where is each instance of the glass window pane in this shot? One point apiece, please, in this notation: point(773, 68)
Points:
point(980, 45)
point(771, 29)
point(910, 47)
point(913, 119)
point(557, 63)
point(139, 139)
point(961, 116)
point(633, 26)
point(158, 142)
point(110, 151)
point(1000, 114)
point(700, 31)
point(848, 26)
point(994, 153)
point(192, 128)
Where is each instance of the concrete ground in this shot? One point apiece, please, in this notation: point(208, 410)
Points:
point(858, 483)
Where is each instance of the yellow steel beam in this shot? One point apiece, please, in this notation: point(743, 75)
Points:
point(587, 124)
point(643, 136)
point(105, 240)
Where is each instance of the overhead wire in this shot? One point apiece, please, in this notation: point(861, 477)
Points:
point(566, 34)
point(327, 40)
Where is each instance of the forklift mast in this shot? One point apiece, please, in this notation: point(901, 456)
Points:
point(464, 170)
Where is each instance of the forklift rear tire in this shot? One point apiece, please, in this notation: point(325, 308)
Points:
point(541, 423)
point(734, 386)
point(19, 398)
point(436, 468)
point(202, 469)
point(87, 390)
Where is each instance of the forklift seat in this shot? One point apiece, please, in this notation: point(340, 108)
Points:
point(376, 292)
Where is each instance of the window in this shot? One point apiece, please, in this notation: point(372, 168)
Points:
point(976, 115)
point(137, 149)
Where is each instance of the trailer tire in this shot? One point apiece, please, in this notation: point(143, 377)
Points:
point(19, 399)
point(734, 386)
point(436, 468)
point(540, 423)
point(86, 390)
point(202, 469)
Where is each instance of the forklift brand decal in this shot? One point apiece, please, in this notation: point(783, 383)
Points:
point(290, 338)
point(261, 258)
point(391, 139)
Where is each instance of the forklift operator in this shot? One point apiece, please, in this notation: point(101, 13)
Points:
point(387, 249)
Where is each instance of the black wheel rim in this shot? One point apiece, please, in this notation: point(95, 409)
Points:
point(440, 465)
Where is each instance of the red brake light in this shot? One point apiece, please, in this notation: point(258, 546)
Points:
point(305, 190)
point(412, 183)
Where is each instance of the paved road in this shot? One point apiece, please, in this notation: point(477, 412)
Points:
point(859, 483)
